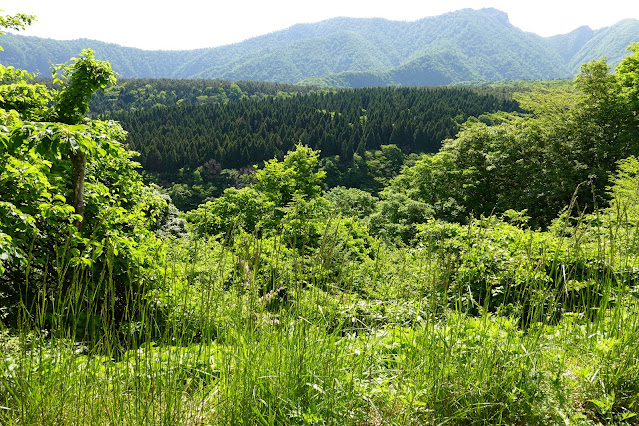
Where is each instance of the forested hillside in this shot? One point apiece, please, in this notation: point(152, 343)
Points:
point(345, 52)
point(493, 281)
point(246, 132)
point(216, 139)
point(135, 94)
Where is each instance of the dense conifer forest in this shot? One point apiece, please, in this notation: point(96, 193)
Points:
point(232, 133)
point(139, 93)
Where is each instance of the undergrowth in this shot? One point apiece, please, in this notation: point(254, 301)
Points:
point(487, 323)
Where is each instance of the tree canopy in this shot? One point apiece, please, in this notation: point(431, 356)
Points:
point(563, 148)
point(70, 194)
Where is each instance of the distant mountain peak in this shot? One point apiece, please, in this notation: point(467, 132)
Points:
point(584, 29)
point(464, 45)
point(495, 13)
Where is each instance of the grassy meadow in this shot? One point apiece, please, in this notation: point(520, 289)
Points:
point(404, 338)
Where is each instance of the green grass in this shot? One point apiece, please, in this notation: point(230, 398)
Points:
point(391, 340)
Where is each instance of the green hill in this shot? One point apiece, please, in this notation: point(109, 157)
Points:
point(249, 131)
point(346, 52)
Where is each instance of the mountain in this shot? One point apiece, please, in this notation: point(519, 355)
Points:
point(350, 52)
point(567, 45)
point(36, 54)
point(610, 42)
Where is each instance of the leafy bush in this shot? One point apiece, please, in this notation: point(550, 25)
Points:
point(491, 265)
point(75, 216)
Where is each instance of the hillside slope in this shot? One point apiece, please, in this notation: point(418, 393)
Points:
point(458, 46)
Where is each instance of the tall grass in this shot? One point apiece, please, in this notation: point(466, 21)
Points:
point(399, 339)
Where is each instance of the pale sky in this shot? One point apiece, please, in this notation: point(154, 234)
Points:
point(190, 24)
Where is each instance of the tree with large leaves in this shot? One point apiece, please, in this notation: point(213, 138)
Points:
point(75, 217)
point(564, 148)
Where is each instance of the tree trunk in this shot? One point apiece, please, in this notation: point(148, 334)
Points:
point(79, 160)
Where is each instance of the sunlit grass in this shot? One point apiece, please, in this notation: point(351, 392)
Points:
point(388, 342)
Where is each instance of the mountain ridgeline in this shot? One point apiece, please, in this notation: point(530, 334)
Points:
point(461, 46)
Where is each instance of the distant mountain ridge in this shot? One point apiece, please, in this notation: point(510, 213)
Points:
point(466, 45)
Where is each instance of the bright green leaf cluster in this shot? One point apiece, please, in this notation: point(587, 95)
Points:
point(43, 250)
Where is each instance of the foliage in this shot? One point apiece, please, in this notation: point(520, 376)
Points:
point(84, 77)
point(290, 305)
point(619, 219)
point(351, 202)
point(282, 181)
point(564, 149)
point(624, 191)
point(136, 94)
point(17, 92)
point(278, 186)
point(243, 208)
point(363, 135)
point(46, 222)
point(396, 216)
point(535, 276)
point(284, 208)
point(226, 353)
point(15, 22)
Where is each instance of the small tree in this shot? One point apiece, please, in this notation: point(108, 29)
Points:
point(83, 78)
point(101, 239)
point(624, 192)
point(296, 175)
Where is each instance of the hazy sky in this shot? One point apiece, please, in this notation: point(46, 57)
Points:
point(188, 24)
